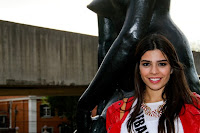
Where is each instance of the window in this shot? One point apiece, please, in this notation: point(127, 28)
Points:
point(46, 111)
point(3, 121)
point(48, 130)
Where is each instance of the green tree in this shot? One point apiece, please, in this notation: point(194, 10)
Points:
point(65, 106)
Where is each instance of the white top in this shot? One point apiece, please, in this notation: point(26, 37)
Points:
point(150, 122)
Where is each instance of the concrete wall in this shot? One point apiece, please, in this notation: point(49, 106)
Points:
point(37, 56)
point(62, 62)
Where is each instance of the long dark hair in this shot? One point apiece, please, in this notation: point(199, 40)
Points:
point(177, 91)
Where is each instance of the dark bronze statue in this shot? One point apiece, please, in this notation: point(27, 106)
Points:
point(122, 23)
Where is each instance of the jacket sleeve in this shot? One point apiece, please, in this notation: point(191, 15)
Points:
point(113, 117)
point(108, 120)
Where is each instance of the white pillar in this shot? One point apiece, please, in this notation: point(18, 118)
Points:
point(10, 114)
point(32, 114)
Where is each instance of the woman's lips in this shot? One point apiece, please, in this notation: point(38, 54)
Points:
point(154, 80)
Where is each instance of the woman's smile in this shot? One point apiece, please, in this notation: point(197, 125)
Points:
point(154, 80)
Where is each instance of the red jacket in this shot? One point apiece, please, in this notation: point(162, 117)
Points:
point(189, 116)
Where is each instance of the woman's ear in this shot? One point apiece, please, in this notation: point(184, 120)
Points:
point(171, 71)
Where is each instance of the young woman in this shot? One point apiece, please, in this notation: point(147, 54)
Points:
point(162, 101)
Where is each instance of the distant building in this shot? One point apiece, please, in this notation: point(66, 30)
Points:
point(51, 61)
point(197, 61)
point(29, 115)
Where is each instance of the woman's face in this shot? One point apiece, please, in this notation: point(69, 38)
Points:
point(155, 70)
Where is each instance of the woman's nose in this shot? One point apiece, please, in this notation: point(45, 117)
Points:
point(154, 69)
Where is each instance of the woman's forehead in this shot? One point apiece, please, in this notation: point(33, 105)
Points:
point(154, 55)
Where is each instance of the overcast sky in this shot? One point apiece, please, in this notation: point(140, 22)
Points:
point(72, 15)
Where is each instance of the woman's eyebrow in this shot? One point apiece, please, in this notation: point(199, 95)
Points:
point(145, 61)
point(162, 60)
point(157, 61)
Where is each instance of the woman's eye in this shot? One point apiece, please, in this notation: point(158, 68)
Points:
point(146, 64)
point(162, 64)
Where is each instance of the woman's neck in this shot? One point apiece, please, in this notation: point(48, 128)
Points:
point(151, 96)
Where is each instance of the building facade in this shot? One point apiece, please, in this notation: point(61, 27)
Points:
point(28, 114)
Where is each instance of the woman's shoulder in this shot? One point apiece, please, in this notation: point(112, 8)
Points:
point(196, 99)
point(194, 108)
point(118, 104)
point(196, 95)
point(190, 115)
